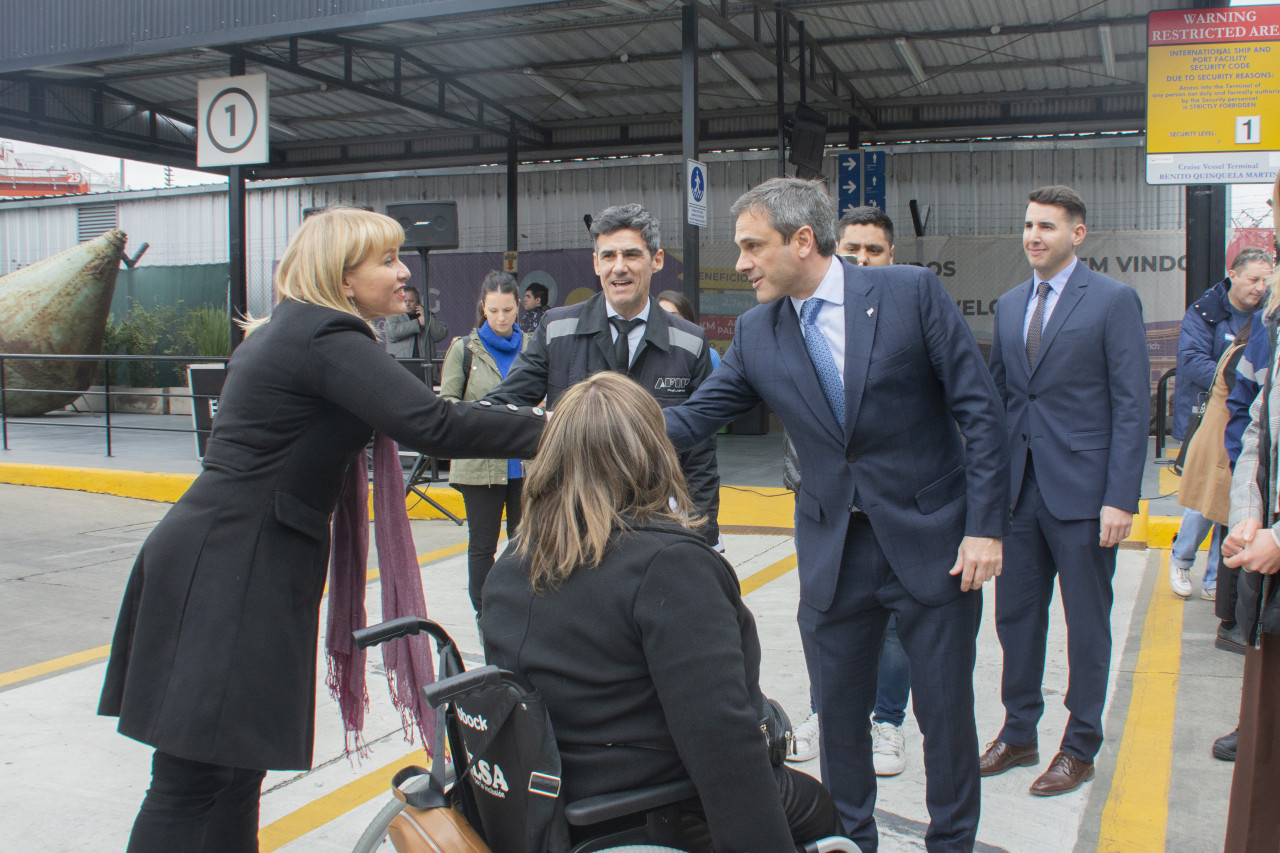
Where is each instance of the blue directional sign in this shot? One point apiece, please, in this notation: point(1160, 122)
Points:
point(861, 176)
point(849, 176)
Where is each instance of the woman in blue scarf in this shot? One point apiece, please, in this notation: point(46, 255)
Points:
point(473, 367)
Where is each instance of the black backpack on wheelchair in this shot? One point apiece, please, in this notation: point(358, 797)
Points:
point(502, 742)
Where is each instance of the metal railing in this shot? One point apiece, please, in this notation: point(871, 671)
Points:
point(106, 394)
point(1162, 415)
point(426, 369)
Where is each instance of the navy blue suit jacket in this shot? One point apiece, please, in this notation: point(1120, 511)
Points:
point(923, 452)
point(1084, 408)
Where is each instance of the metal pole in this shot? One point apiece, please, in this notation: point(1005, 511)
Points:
point(513, 189)
point(238, 279)
point(1206, 236)
point(780, 61)
point(106, 398)
point(4, 416)
point(689, 147)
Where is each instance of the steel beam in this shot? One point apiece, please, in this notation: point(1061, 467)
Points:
point(689, 148)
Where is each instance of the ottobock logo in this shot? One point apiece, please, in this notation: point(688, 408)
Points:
point(478, 723)
point(671, 384)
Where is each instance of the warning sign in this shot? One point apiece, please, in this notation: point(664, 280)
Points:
point(1213, 87)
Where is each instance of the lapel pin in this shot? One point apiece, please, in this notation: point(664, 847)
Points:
point(870, 311)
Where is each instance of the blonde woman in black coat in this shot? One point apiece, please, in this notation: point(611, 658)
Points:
point(214, 657)
point(634, 629)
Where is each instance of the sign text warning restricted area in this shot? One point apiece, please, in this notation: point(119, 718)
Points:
point(1213, 94)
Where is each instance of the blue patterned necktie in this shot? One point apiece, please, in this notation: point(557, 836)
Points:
point(820, 354)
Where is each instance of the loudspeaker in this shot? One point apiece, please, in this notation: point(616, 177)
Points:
point(808, 139)
point(427, 224)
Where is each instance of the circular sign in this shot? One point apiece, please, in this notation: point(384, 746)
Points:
point(697, 183)
point(231, 120)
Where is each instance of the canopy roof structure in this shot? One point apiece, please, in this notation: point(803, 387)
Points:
point(368, 85)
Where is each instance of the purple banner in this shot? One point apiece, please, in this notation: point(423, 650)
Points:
point(567, 273)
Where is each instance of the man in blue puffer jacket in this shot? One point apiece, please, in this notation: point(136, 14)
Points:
point(1208, 328)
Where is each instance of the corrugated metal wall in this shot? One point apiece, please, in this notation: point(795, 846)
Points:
point(977, 188)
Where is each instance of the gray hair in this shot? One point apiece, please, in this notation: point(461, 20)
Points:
point(790, 204)
point(632, 216)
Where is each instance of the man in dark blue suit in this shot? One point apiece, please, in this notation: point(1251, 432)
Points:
point(1070, 360)
point(900, 436)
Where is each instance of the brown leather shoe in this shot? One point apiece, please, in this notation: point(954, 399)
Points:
point(1001, 756)
point(1065, 774)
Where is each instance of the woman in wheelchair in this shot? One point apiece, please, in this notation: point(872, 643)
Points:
point(634, 630)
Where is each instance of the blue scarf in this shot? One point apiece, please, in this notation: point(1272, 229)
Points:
point(503, 350)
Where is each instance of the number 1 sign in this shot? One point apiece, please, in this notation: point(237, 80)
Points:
point(232, 121)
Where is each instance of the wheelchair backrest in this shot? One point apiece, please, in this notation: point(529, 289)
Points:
point(513, 765)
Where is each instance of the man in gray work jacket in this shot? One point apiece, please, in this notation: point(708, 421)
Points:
point(622, 328)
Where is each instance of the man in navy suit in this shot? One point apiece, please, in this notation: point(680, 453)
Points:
point(1070, 360)
point(899, 432)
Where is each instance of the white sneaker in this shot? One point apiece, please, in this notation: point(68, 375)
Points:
point(888, 749)
point(1180, 581)
point(804, 740)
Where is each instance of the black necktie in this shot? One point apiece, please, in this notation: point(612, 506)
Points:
point(1037, 322)
point(621, 348)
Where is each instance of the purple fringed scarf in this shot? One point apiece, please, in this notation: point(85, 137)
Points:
point(407, 661)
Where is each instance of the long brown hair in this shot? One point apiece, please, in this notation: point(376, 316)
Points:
point(604, 460)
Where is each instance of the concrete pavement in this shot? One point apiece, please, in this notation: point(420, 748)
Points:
point(67, 554)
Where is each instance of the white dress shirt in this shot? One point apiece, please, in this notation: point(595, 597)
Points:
point(831, 317)
point(634, 336)
point(1056, 284)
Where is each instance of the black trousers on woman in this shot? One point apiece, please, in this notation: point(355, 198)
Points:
point(198, 807)
point(484, 505)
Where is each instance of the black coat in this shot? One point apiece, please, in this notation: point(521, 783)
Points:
point(214, 655)
point(649, 664)
point(671, 361)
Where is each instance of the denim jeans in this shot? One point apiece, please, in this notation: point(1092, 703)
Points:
point(893, 683)
point(1190, 534)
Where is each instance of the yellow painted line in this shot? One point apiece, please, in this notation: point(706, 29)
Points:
point(1135, 817)
point(65, 662)
point(334, 804)
point(769, 573)
point(36, 670)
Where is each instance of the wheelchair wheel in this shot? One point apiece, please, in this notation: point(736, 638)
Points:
point(375, 835)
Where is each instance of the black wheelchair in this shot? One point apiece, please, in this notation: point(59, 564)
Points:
point(501, 740)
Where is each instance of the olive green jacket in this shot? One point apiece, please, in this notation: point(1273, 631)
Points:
point(484, 378)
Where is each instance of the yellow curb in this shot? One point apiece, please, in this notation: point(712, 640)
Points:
point(740, 506)
point(1136, 815)
point(167, 488)
point(143, 485)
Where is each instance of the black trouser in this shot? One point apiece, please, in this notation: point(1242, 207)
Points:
point(1224, 605)
point(484, 506)
point(193, 806)
point(811, 813)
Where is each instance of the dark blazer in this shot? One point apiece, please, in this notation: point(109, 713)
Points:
point(672, 360)
point(214, 655)
point(1088, 437)
point(633, 701)
point(913, 374)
